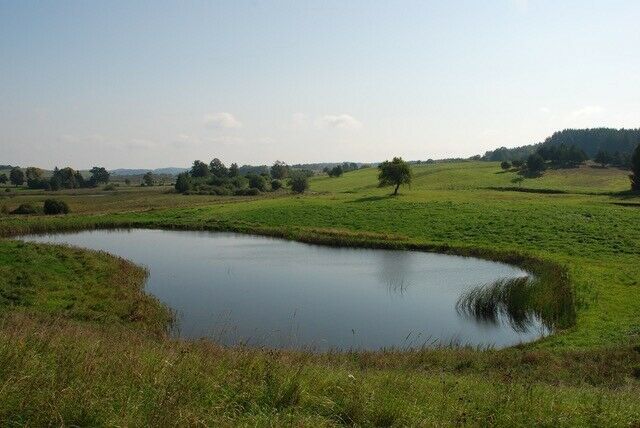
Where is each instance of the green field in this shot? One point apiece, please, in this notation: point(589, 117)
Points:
point(79, 345)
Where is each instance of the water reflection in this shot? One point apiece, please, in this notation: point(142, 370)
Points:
point(523, 303)
point(240, 289)
point(394, 266)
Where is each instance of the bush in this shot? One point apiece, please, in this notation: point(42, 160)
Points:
point(109, 187)
point(183, 182)
point(54, 206)
point(25, 209)
point(276, 184)
point(505, 165)
point(257, 182)
point(247, 192)
point(299, 182)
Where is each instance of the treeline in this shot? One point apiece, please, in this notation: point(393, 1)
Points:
point(340, 169)
point(216, 179)
point(65, 178)
point(618, 143)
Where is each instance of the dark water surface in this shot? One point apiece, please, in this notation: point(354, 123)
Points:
point(270, 292)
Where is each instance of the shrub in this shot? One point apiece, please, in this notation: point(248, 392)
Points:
point(535, 164)
point(276, 184)
point(299, 182)
point(109, 187)
point(183, 183)
point(247, 192)
point(257, 182)
point(517, 163)
point(25, 209)
point(505, 165)
point(55, 206)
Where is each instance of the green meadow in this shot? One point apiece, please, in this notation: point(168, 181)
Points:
point(82, 344)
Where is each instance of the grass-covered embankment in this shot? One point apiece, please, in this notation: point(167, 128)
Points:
point(104, 372)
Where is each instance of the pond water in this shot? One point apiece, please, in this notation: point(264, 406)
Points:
point(260, 291)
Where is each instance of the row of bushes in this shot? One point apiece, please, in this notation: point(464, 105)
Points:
point(50, 207)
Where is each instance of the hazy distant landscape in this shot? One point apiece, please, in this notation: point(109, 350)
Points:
point(319, 214)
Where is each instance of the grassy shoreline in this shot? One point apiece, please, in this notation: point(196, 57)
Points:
point(588, 374)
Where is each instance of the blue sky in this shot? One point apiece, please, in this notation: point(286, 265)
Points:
point(149, 84)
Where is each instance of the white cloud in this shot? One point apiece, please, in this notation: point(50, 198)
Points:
point(544, 110)
point(221, 120)
point(341, 121)
point(586, 112)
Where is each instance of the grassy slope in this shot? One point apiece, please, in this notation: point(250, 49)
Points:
point(587, 375)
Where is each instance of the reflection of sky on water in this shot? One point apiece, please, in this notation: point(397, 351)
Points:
point(271, 292)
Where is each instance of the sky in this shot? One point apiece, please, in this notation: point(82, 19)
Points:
point(145, 84)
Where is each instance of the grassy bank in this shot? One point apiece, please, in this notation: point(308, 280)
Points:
point(585, 375)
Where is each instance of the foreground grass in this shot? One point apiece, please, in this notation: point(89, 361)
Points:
point(87, 366)
point(58, 372)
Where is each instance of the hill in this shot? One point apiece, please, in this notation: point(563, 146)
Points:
point(622, 141)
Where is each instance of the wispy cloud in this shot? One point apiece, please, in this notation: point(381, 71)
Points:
point(586, 112)
point(340, 121)
point(221, 120)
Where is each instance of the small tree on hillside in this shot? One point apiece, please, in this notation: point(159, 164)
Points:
point(635, 169)
point(505, 165)
point(148, 179)
point(3, 178)
point(299, 182)
point(517, 163)
point(394, 173)
point(16, 176)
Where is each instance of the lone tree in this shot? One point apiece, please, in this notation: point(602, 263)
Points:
point(635, 169)
point(505, 165)
point(394, 173)
point(299, 182)
point(16, 176)
point(148, 179)
point(3, 178)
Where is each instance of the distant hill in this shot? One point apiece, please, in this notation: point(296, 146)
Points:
point(622, 141)
point(157, 171)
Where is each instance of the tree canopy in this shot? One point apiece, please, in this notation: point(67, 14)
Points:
point(16, 176)
point(199, 169)
point(99, 175)
point(299, 182)
point(217, 168)
point(279, 170)
point(394, 173)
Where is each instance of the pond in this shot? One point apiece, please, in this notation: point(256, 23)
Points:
point(260, 291)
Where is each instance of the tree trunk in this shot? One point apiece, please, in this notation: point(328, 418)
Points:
point(395, 192)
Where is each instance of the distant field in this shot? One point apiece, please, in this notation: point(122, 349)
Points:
point(75, 352)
